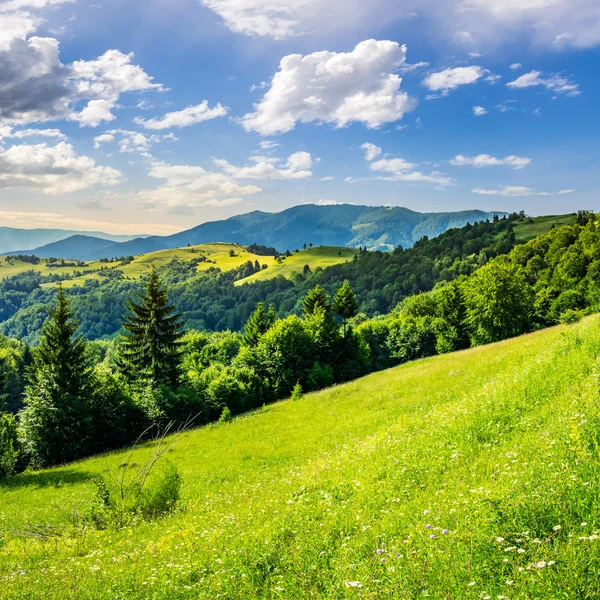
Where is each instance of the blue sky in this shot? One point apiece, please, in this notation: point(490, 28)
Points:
point(154, 116)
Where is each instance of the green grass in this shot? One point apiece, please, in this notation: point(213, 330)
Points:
point(324, 256)
point(525, 231)
point(470, 475)
point(217, 256)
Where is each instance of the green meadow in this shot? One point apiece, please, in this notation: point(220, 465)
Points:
point(468, 475)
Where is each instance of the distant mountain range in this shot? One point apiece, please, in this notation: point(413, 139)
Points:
point(381, 228)
point(14, 239)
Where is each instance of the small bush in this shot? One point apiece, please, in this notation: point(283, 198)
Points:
point(297, 391)
point(571, 316)
point(120, 501)
point(225, 415)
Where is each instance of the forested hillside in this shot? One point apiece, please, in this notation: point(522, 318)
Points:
point(210, 298)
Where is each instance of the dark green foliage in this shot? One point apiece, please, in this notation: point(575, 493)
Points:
point(259, 323)
point(316, 298)
point(151, 345)
point(56, 418)
point(345, 304)
point(10, 445)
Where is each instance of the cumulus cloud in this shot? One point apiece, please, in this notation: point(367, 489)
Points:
point(450, 79)
point(479, 111)
point(371, 150)
point(189, 186)
point(37, 87)
point(183, 118)
point(332, 87)
point(52, 169)
point(516, 66)
point(297, 166)
point(485, 160)
point(518, 191)
point(555, 83)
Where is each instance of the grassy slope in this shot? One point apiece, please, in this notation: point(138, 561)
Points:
point(217, 255)
point(301, 498)
point(526, 231)
point(324, 256)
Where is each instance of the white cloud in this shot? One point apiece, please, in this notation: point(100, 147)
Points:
point(479, 111)
point(516, 66)
point(450, 79)
point(52, 169)
point(332, 87)
point(183, 118)
point(38, 87)
point(518, 191)
point(132, 141)
point(298, 166)
point(268, 145)
point(329, 203)
point(485, 160)
point(7, 132)
point(371, 150)
point(555, 83)
point(398, 169)
point(550, 23)
point(328, 178)
point(186, 185)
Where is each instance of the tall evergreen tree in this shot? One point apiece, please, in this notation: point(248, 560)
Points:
point(258, 324)
point(151, 345)
point(315, 299)
point(345, 304)
point(56, 418)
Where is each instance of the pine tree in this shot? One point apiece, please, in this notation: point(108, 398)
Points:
point(56, 418)
point(345, 304)
point(315, 298)
point(152, 340)
point(258, 323)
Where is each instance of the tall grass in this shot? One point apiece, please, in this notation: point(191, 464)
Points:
point(471, 475)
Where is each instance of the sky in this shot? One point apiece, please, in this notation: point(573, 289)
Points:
point(154, 116)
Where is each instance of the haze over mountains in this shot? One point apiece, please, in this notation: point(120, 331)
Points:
point(14, 239)
point(382, 228)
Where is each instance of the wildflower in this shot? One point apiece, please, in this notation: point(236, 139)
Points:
point(584, 524)
point(432, 536)
point(541, 564)
point(427, 526)
point(425, 512)
point(380, 551)
point(354, 584)
point(471, 584)
point(521, 550)
point(499, 539)
point(556, 528)
point(444, 532)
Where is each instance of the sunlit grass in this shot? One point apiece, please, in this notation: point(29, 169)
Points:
point(471, 475)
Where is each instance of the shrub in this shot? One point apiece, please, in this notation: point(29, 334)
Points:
point(225, 416)
point(131, 493)
point(10, 447)
point(297, 392)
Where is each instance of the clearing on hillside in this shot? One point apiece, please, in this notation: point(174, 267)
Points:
point(469, 475)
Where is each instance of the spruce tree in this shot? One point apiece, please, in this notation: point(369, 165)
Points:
point(258, 323)
point(314, 299)
point(151, 344)
point(56, 418)
point(345, 304)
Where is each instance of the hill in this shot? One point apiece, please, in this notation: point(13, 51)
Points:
point(21, 240)
point(469, 475)
point(382, 228)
